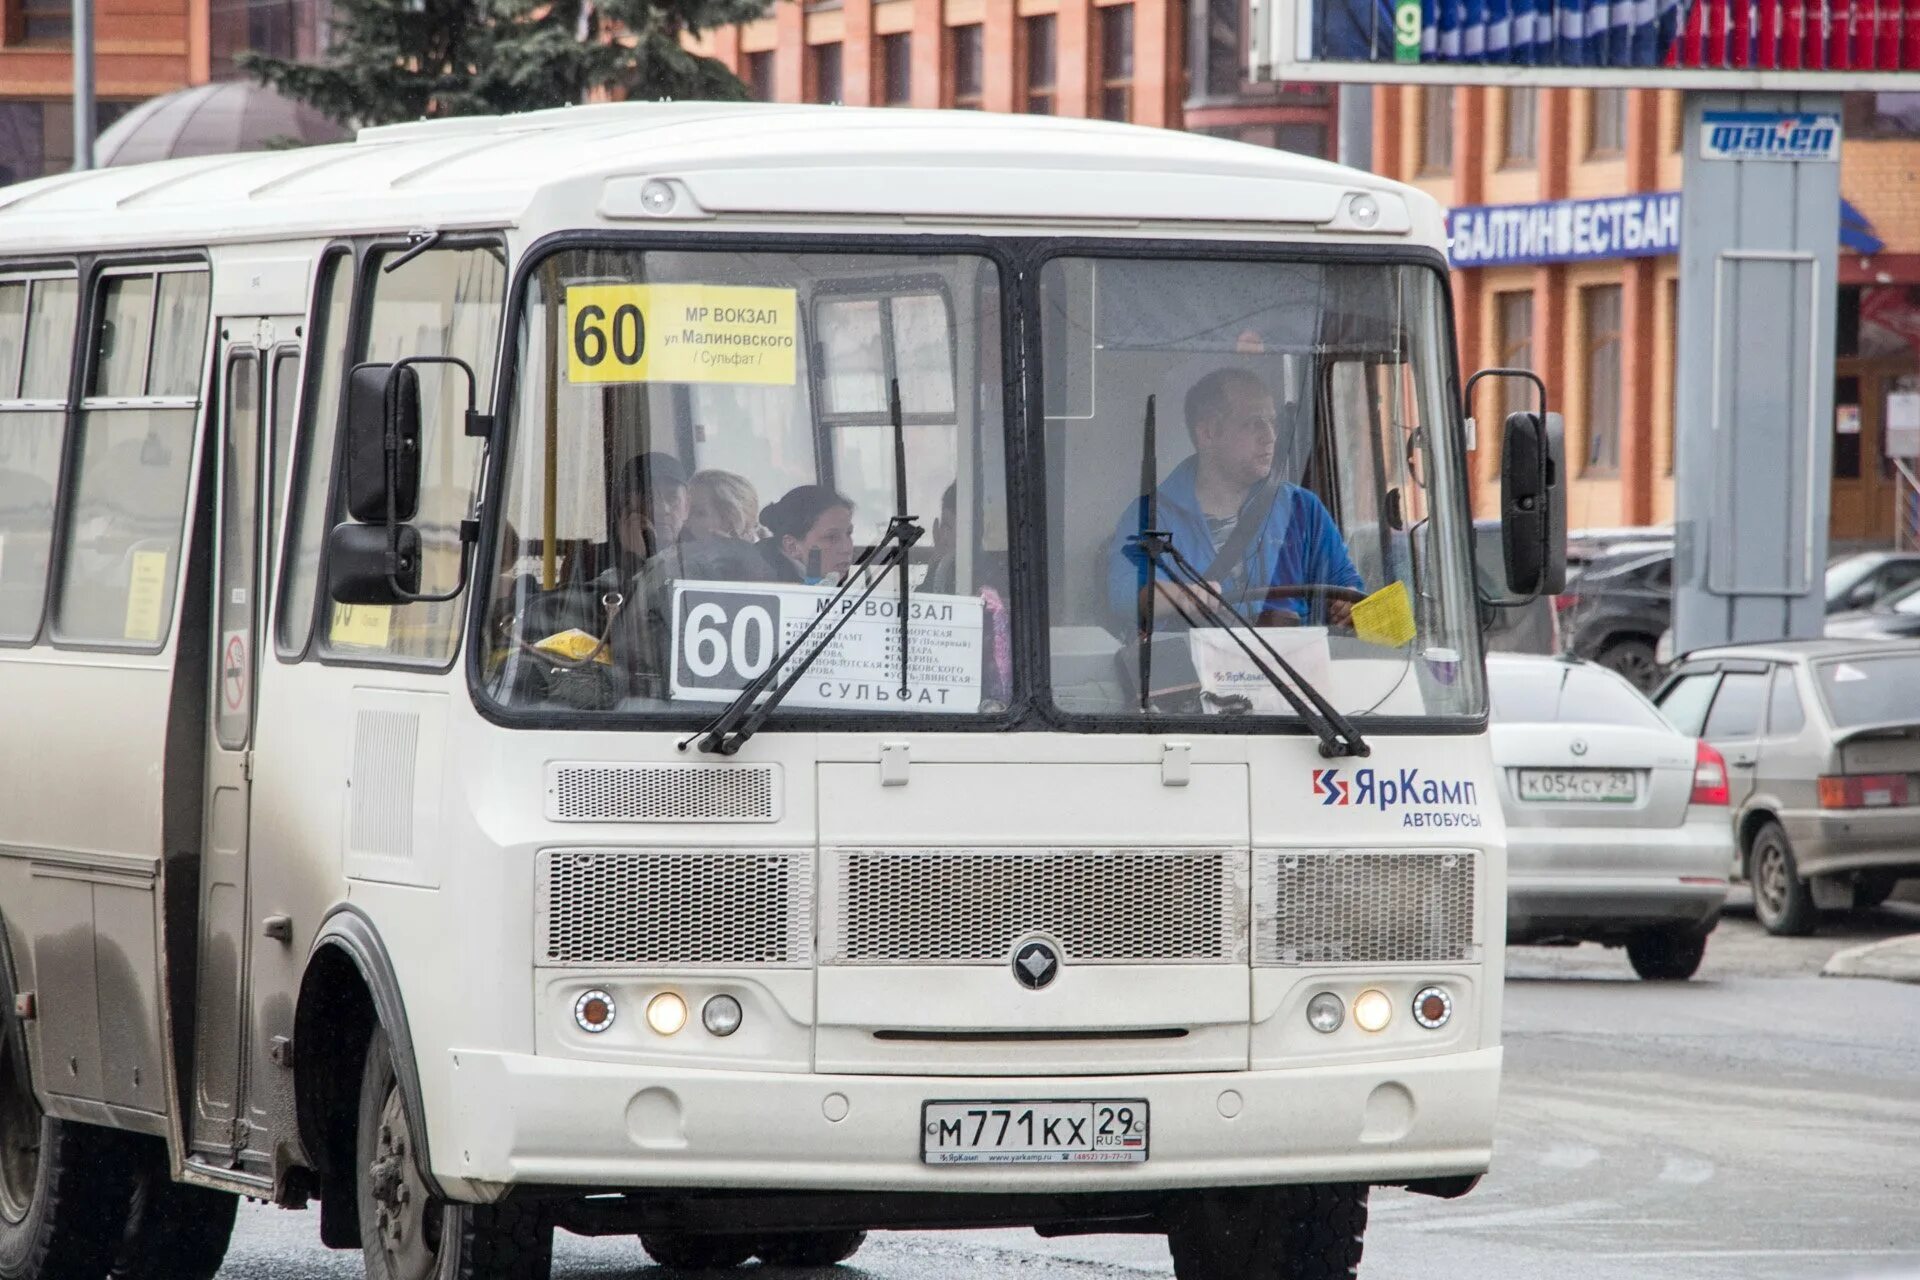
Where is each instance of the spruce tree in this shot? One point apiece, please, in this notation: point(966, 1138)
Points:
point(394, 60)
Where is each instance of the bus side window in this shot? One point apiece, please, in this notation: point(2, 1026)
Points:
point(36, 359)
point(441, 302)
point(133, 457)
point(312, 461)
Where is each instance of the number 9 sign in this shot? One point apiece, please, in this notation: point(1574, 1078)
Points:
point(723, 640)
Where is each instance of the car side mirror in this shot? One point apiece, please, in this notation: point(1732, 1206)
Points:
point(1533, 512)
point(1862, 596)
point(373, 563)
point(383, 443)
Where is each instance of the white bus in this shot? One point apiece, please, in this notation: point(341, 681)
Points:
point(740, 675)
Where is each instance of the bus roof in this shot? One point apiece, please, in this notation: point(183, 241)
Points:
point(770, 163)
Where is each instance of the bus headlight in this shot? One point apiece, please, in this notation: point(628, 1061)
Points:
point(1325, 1013)
point(1372, 1010)
point(721, 1015)
point(667, 1013)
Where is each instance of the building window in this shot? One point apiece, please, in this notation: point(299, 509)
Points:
point(759, 75)
point(1882, 115)
point(1038, 31)
point(1116, 62)
point(896, 69)
point(824, 72)
point(1518, 146)
point(1672, 325)
point(1600, 313)
point(1436, 129)
point(1607, 122)
point(1226, 63)
point(968, 50)
point(41, 21)
point(1513, 332)
point(278, 28)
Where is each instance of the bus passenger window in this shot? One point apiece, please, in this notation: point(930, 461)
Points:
point(36, 355)
point(312, 463)
point(133, 460)
point(441, 302)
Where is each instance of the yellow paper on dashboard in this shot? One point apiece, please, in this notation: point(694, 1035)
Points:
point(1386, 616)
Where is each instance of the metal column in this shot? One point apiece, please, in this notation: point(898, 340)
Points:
point(1753, 385)
point(83, 96)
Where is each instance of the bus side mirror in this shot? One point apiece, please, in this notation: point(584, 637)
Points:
point(373, 563)
point(1533, 509)
point(383, 443)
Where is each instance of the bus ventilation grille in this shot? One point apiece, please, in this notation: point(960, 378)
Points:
point(1341, 907)
point(1100, 906)
point(676, 907)
point(587, 792)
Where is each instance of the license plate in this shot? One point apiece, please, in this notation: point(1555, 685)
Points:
point(1101, 1131)
point(1588, 786)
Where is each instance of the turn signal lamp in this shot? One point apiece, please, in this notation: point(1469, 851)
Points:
point(1866, 791)
point(1709, 776)
point(667, 1013)
point(594, 1011)
point(1372, 1010)
point(1432, 1006)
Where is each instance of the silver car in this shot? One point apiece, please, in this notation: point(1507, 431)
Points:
point(1616, 823)
point(1822, 742)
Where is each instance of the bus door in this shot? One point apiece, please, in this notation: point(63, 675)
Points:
point(256, 354)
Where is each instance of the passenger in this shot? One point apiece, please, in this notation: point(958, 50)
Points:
point(719, 540)
point(1228, 481)
point(942, 571)
point(721, 504)
point(650, 506)
point(812, 528)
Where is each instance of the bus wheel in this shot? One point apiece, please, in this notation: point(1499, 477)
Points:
point(684, 1252)
point(1269, 1233)
point(174, 1231)
point(810, 1248)
point(408, 1234)
point(64, 1187)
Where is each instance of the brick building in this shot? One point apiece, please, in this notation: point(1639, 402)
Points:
point(142, 48)
point(1155, 62)
point(1600, 327)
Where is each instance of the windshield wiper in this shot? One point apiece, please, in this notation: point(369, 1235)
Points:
point(900, 516)
point(1337, 735)
point(1149, 602)
point(740, 719)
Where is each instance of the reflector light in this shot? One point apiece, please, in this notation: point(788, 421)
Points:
point(594, 1011)
point(721, 1015)
point(1372, 1010)
point(667, 1013)
point(1709, 776)
point(1865, 790)
point(1325, 1013)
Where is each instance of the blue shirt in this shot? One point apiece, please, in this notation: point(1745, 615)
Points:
point(1298, 544)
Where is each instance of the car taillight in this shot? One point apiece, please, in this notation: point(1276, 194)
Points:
point(1564, 602)
point(1865, 790)
point(1709, 776)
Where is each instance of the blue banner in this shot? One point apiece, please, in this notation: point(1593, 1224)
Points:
point(1500, 235)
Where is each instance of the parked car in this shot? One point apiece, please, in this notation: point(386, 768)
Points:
point(1867, 579)
point(1895, 617)
point(1587, 545)
point(1529, 626)
point(1822, 744)
point(1615, 610)
point(1616, 823)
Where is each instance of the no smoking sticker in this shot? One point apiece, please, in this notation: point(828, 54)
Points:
point(233, 671)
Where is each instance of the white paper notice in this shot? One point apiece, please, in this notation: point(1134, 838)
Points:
point(1227, 672)
point(1903, 424)
point(726, 633)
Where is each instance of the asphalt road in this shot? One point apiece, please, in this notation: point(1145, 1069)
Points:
point(1756, 1123)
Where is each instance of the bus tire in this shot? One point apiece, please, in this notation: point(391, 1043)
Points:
point(810, 1248)
point(407, 1233)
point(1269, 1233)
point(174, 1231)
point(65, 1188)
point(683, 1251)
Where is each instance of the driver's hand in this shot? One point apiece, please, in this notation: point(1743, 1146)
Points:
point(1185, 598)
point(1339, 613)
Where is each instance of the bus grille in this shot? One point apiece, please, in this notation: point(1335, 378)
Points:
point(585, 792)
point(937, 906)
point(1365, 908)
point(676, 907)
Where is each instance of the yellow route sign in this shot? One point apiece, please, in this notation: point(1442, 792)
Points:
point(681, 333)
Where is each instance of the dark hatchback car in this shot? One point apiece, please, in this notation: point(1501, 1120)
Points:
point(1894, 617)
point(1869, 579)
point(1614, 612)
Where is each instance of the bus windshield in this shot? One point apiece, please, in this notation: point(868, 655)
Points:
point(707, 446)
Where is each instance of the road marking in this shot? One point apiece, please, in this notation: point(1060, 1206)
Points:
point(1687, 1172)
point(1762, 1253)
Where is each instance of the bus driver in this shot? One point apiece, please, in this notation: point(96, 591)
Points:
point(1243, 528)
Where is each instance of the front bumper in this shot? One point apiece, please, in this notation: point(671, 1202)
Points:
point(521, 1118)
point(1854, 840)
